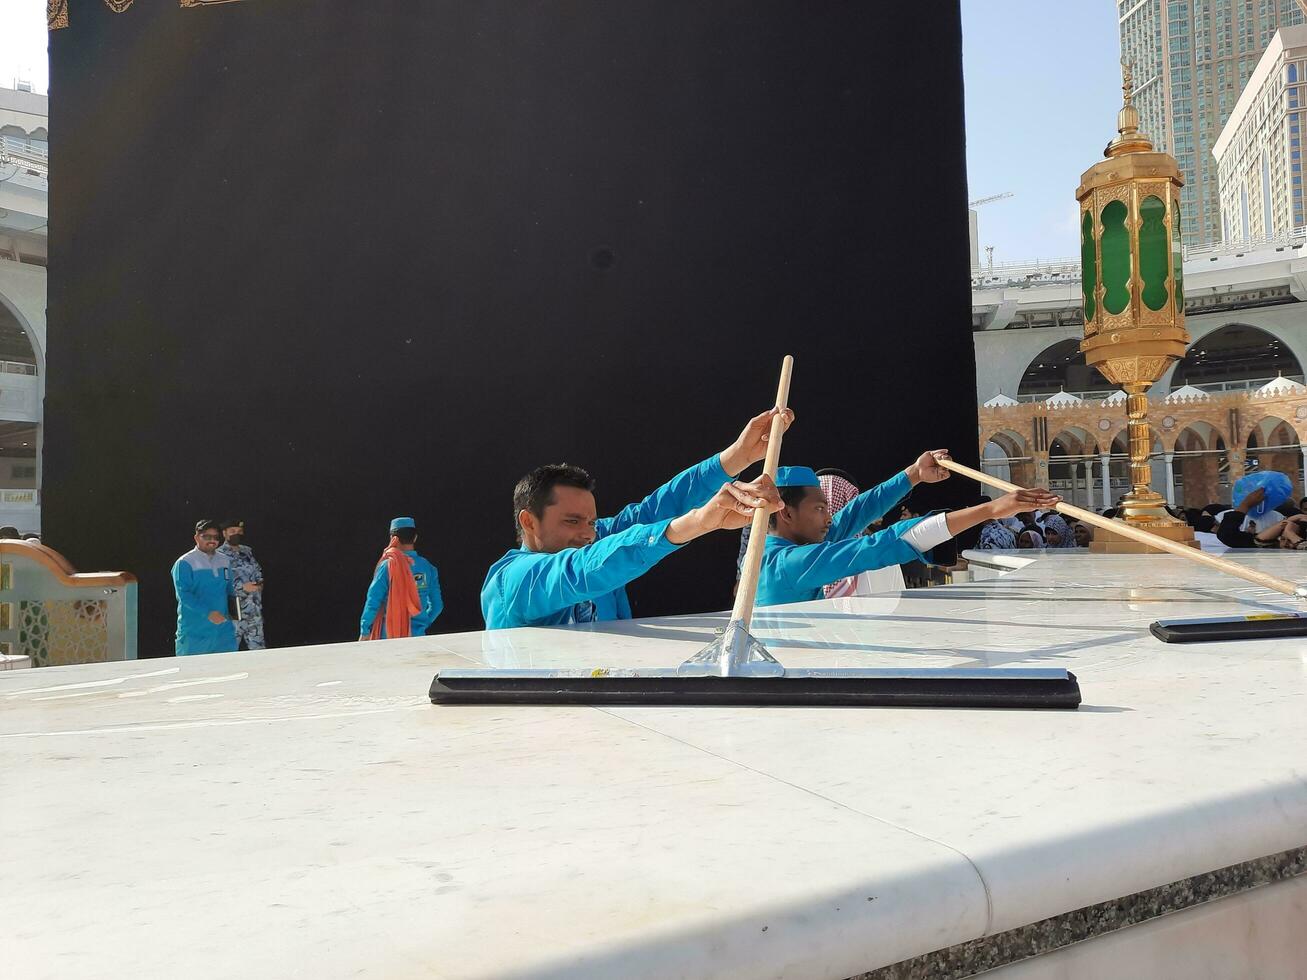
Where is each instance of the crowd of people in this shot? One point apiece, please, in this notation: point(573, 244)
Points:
point(1034, 529)
point(1261, 516)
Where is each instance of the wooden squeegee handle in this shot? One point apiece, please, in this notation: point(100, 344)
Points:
point(748, 589)
point(1142, 536)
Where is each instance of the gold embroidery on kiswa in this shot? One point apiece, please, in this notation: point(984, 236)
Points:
point(56, 14)
point(56, 11)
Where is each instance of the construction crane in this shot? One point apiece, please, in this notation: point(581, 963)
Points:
point(998, 197)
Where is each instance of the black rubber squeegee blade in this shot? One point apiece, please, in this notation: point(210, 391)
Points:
point(1255, 626)
point(995, 687)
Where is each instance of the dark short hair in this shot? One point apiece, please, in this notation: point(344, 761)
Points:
point(535, 491)
point(10, 533)
point(406, 535)
point(791, 497)
point(230, 523)
point(204, 524)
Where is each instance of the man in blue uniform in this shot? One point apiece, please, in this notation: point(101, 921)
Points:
point(201, 579)
point(808, 548)
point(403, 544)
point(573, 568)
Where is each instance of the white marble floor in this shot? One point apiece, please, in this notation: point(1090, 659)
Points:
point(308, 812)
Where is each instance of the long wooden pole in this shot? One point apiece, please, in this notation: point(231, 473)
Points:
point(1143, 537)
point(748, 590)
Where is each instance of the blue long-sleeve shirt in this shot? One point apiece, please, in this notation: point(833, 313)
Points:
point(202, 585)
point(428, 583)
point(868, 506)
point(797, 573)
point(579, 585)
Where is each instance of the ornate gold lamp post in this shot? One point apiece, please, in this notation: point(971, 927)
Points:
point(1133, 296)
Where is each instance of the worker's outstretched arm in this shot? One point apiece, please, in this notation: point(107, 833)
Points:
point(696, 486)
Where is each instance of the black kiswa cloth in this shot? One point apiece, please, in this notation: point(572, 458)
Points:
point(1253, 626)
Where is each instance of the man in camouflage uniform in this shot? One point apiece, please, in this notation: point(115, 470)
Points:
point(247, 577)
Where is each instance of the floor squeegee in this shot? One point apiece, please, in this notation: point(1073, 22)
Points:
point(736, 668)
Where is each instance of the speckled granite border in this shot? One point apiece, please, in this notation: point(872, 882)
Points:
point(970, 958)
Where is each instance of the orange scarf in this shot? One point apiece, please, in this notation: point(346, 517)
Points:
point(402, 601)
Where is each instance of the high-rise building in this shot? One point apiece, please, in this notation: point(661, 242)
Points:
point(1191, 60)
point(1259, 152)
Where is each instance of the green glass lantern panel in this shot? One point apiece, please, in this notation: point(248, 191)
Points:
point(1177, 257)
point(1154, 247)
point(1116, 258)
point(1088, 266)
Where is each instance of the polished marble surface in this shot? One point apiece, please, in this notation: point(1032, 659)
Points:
point(308, 812)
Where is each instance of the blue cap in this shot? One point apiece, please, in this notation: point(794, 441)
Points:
point(796, 476)
point(399, 523)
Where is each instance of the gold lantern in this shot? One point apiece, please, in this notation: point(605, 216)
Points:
point(1133, 288)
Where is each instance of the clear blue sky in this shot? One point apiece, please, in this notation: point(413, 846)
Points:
point(1043, 84)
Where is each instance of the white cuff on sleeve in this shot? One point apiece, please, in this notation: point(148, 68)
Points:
point(928, 532)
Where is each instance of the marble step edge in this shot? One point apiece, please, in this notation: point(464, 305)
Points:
point(975, 956)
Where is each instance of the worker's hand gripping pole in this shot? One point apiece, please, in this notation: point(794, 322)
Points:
point(736, 653)
point(1144, 537)
point(748, 590)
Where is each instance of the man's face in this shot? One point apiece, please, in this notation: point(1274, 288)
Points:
point(207, 541)
point(1083, 535)
point(234, 535)
point(568, 521)
point(809, 519)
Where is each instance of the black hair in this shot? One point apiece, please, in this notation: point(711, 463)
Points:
point(1205, 523)
point(1215, 509)
point(790, 497)
point(1110, 513)
point(406, 535)
point(535, 491)
point(10, 533)
point(204, 524)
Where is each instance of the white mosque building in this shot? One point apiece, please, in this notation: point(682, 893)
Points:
point(24, 212)
point(1235, 402)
